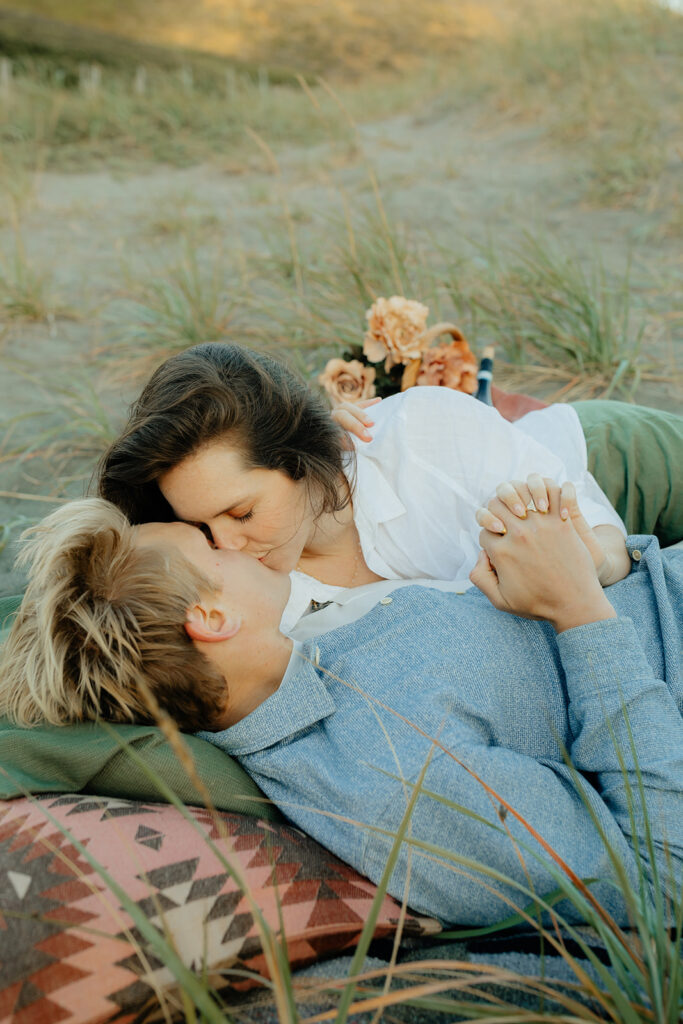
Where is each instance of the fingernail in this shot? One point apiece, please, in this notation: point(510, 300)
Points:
point(366, 436)
point(564, 513)
point(369, 423)
point(498, 526)
point(542, 506)
point(519, 510)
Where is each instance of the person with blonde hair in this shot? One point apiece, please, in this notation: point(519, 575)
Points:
point(101, 626)
point(534, 712)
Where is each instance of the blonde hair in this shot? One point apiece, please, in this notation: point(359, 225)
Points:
point(102, 623)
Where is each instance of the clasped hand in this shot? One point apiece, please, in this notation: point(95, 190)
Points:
point(605, 543)
point(541, 567)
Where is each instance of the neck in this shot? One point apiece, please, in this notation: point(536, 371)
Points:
point(251, 679)
point(330, 530)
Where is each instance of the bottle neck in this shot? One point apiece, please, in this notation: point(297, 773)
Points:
point(484, 377)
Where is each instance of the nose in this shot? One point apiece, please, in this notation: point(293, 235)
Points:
point(228, 536)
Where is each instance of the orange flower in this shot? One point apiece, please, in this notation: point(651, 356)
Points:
point(450, 365)
point(348, 381)
point(395, 333)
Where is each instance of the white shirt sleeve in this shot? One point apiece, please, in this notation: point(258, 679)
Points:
point(473, 445)
point(558, 428)
point(443, 454)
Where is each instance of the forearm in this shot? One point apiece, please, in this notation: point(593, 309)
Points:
point(627, 730)
point(520, 798)
point(617, 563)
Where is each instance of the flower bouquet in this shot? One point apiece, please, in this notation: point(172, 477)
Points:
point(398, 352)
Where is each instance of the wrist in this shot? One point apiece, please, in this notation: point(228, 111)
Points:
point(617, 562)
point(605, 571)
point(582, 612)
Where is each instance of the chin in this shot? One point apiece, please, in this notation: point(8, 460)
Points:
point(276, 564)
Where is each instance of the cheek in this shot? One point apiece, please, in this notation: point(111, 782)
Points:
point(284, 528)
point(285, 520)
point(297, 523)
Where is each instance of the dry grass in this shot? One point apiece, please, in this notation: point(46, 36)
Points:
point(348, 39)
point(610, 70)
point(306, 287)
point(546, 306)
point(26, 292)
point(190, 302)
point(601, 77)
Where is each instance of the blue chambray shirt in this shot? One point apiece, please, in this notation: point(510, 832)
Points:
point(341, 744)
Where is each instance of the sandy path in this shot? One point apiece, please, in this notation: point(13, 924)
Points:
point(446, 175)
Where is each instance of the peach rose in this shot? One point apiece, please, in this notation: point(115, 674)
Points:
point(395, 331)
point(348, 381)
point(450, 365)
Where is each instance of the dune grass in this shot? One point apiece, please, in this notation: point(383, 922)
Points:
point(602, 78)
point(176, 120)
point(172, 122)
point(55, 446)
point(181, 218)
point(610, 69)
point(26, 293)
point(546, 309)
point(328, 38)
point(188, 304)
point(545, 306)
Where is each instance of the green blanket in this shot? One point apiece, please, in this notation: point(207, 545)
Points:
point(93, 758)
point(636, 455)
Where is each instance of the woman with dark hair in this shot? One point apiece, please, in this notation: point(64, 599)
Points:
point(233, 441)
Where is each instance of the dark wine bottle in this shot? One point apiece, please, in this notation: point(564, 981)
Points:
point(485, 376)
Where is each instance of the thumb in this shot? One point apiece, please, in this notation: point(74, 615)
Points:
point(484, 577)
point(568, 502)
point(569, 509)
point(569, 505)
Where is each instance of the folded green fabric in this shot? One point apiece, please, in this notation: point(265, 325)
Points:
point(636, 455)
point(93, 758)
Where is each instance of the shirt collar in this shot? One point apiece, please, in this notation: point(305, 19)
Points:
point(300, 701)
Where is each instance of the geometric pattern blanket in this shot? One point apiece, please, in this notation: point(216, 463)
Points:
point(70, 949)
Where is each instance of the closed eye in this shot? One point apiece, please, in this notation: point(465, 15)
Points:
point(245, 518)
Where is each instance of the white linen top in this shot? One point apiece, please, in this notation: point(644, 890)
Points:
point(435, 457)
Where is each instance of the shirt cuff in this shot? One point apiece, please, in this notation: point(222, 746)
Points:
point(603, 657)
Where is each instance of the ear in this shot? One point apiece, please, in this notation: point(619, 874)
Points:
point(210, 626)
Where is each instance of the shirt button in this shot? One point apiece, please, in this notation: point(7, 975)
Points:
point(636, 554)
point(386, 600)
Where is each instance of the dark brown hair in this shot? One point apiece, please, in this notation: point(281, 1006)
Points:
point(215, 391)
